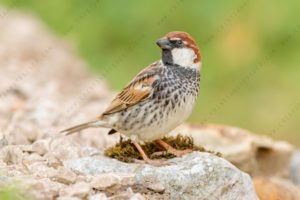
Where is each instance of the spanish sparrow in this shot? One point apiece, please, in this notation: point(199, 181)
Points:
point(159, 98)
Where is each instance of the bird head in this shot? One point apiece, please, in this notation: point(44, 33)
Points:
point(180, 48)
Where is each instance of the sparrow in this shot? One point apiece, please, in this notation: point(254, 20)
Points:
point(158, 99)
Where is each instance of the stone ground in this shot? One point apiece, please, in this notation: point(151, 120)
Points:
point(45, 87)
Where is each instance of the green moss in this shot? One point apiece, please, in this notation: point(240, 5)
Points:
point(125, 151)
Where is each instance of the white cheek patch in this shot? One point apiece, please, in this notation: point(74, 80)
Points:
point(183, 56)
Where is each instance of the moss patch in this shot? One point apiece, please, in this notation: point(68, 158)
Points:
point(125, 151)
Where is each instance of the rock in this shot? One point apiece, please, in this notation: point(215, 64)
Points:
point(105, 181)
point(84, 178)
point(41, 147)
point(80, 190)
point(99, 196)
point(90, 151)
point(137, 197)
point(3, 142)
point(295, 168)
point(40, 170)
point(156, 187)
point(65, 176)
point(275, 189)
point(128, 194)
point(41, 188)
point(98, 165)
point(193, 176)
point(12, 170)
point(126, 178)
point(2, 164)
point(52, 161)
point(64, 149)
point(11, 154)
point(34, 157)
point(254, 154)
point(26, 148)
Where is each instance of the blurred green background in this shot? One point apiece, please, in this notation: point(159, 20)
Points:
point(250, 51)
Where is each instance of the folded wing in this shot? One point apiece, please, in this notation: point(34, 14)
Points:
point(139, 89)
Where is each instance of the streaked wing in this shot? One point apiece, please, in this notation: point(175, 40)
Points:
point(139, 89)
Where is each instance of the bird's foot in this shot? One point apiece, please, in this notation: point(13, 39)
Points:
point(172, 150)
point(146, 158)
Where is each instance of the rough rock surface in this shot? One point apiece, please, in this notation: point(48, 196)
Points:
point(194, 176)
point(254, 154)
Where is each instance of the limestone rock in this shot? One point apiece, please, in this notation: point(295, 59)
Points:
point(194, 176)
point(65, 176)
point(156, 187)
point(52, 161)
point(137, 197)
point(11, 154)
point(80, 190)
point(99, 196)
point(40, 170)
point(104, 181)
point(34, 157)
point(90, 151)
point(41, 147)
point(275, 189)
point(64, 149)
point(254, 154)
point(42, 188)
point(128, 194)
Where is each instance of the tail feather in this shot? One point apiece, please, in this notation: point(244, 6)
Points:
point(77, 128)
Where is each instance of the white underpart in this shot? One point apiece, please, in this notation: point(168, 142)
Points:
point(184, 57)
point(175, 118)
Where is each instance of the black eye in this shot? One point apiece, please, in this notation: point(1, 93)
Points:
point(179, 42)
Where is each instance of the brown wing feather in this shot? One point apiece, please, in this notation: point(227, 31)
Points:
point(136, 91)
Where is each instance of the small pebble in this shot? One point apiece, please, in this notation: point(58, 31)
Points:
point(99, 196)
point(104, 181)
point(41, 147)
point(65, 176)
point(80, 190)
point(156, 187)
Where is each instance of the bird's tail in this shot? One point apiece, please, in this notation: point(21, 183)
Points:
point(91, 124)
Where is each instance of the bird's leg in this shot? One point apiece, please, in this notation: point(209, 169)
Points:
point(171, 150)
point(144, 155)
point(141, 151)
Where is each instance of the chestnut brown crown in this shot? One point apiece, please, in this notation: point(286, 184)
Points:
point(179, 39)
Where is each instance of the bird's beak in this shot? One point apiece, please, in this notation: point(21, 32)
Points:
point(164, 43)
